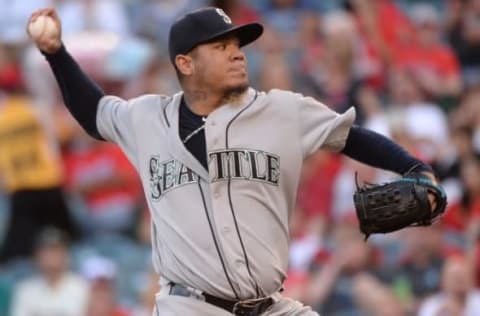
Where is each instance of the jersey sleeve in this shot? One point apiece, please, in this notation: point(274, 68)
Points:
point(114, 123)
point(321, 127)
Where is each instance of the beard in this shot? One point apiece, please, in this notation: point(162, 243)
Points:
point(234, 92)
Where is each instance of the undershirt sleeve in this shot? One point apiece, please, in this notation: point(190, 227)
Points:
point(378, 151)
point(81, 94)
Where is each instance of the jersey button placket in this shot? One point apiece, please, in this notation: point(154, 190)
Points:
point(227, 239)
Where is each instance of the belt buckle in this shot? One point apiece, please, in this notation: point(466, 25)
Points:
point(251, 307)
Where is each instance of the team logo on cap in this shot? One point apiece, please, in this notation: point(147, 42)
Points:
point(225, 17)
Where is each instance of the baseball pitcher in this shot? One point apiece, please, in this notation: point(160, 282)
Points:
point(220, 164)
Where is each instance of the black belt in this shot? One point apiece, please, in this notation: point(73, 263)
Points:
point(249, 307)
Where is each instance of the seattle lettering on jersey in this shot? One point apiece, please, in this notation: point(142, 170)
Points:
point(240, 164)
point(245, 164)
point(167, 175)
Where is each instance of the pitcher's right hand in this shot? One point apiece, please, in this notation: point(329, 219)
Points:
point(48, 39)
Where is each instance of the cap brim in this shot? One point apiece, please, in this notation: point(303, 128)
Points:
point(246, 33)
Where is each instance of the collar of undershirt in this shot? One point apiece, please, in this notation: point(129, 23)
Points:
point(190, 115)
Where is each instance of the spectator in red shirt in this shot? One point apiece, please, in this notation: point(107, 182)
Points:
point(470, 174)
point(464, 214)
point(315, 191)
point(434, 63)
point(383, 27)
point(106, 183)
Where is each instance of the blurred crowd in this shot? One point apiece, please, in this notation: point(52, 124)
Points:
point(74, 225)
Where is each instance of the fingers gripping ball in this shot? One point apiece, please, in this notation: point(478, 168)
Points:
point(43, 27)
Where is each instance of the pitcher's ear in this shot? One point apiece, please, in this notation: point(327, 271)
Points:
point(184, 64)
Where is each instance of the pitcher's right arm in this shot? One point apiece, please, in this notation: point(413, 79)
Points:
point(80, 93)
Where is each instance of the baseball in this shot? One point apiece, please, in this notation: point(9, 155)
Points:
point(43, 26)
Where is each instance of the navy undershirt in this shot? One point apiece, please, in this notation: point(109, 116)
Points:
point(379, 151)
point(81, 96)
point(188, 123)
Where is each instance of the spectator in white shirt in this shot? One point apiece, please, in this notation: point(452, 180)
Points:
point(55, 290)
point(458, 295)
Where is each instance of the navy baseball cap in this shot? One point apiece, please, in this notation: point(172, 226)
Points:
point(204, 25)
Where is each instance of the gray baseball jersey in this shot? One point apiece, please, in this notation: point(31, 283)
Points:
point(223, 230)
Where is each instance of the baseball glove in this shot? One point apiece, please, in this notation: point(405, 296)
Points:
point(384, 208)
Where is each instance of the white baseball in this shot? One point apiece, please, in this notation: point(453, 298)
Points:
point(43, 26)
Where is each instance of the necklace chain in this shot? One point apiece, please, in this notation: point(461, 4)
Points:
point(196, 131)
